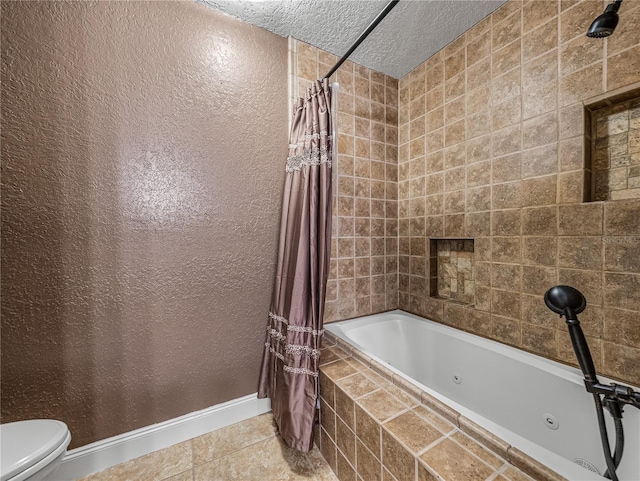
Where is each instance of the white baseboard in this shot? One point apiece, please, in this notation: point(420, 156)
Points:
point(103, 454)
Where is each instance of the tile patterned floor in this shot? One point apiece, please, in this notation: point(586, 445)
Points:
point(247, 451)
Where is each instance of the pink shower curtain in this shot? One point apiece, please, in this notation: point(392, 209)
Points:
point(289, 374)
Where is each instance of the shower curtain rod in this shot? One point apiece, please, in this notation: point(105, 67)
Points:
point(362, 36)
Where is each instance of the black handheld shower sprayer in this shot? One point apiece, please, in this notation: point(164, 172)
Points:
point(569, 302)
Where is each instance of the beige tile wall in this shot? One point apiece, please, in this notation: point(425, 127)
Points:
point(491, 146)
point(363, 276)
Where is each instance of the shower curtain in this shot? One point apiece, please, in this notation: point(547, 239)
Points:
point(289, 374)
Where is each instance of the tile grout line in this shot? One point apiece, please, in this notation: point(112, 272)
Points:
point(193, 461)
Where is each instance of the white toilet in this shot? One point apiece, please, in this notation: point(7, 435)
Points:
point(32, 450)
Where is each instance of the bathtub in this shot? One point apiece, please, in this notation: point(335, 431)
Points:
point(536, 405)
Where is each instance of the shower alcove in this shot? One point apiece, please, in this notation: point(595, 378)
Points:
point(452, 270)
point(612, 143)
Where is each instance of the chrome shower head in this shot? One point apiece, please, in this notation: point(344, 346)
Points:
point(605, 24)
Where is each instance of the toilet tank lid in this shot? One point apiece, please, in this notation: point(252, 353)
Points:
point(24, 443)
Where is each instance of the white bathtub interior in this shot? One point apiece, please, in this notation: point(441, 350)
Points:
point(537, 405)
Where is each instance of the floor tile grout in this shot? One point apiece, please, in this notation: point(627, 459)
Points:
point(237, 450)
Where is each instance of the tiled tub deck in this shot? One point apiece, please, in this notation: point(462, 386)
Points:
point(376, 426)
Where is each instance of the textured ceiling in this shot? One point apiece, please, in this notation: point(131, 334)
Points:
point(412, 32)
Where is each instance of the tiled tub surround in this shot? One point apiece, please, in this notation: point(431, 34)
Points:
point(375, 426)
point(491, 147)
point(615, 151)
point(246, 451)
point(502, 389)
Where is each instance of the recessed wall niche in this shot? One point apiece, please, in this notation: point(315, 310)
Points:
point(452, 273)
point(615, 148)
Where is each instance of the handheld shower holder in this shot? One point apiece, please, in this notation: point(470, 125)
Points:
point(616, 393)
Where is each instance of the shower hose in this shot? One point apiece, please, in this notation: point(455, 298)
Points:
point(612, 462)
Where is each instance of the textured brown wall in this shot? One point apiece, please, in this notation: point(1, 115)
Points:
point(491, 137)
point(143, 150)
